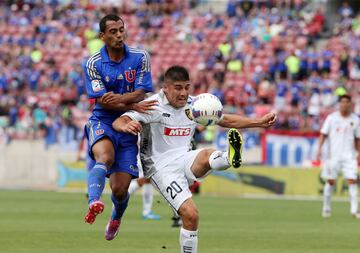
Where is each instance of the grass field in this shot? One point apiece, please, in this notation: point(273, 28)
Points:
point(53, 222)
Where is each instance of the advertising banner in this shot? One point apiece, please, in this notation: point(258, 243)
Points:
point(288, 148)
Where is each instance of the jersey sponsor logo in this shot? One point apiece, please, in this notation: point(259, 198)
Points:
point(99, 131)
point(120, 77)
point(97, 85)
point(167, 115)
point(177, 131)
point(130, 76)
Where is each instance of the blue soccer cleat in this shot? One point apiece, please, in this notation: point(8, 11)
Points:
point(151, 216)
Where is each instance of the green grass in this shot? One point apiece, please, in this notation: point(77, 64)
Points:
point(53, 222)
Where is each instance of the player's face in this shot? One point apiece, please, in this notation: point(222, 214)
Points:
point(177, 92)
point(114, 34)
point(345, 106)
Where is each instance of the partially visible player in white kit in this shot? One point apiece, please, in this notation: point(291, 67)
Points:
point(147, 194)
point(342, 130)
point(165, 148)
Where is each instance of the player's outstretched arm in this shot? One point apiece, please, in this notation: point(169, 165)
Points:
point(126, 125)
point(237, 121)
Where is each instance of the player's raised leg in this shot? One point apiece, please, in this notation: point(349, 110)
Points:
point(103, 152)
point(119, 184)
point(209, 159)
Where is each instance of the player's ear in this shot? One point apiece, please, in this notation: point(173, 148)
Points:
point(165, 86)
point(101, 36)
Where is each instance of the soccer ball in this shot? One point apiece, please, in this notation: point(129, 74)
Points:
point(206, 109)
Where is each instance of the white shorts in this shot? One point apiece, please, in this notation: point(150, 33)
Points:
point(173, 181)
point(332, 168)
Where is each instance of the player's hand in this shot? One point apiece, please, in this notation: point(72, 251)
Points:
point(144, 106)
point(133, 127)
point(268, 120)
point(111, 99)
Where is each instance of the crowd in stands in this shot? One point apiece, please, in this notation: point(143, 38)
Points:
point(256, 57)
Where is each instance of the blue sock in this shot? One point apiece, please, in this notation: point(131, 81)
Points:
point(96, 181)
point(119, 207)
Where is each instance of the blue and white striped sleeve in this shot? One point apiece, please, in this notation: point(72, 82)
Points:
point(143, 73)
point(94, 85)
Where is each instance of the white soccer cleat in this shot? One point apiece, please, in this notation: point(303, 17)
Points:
point(356, 215)
point(326, 214)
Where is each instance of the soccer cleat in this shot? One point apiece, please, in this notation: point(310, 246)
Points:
point(95, 208)
point(151, 216)
point(112, 229)
point(177, 222)
point(356, 215)
point(235, 147)
point(326, 214)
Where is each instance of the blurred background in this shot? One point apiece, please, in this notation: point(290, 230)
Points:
point(293, 57)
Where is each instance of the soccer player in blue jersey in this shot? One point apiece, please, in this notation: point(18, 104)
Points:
point(118, 77)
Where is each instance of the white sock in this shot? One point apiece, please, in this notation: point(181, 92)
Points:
point(188, 241)
point(353, 192)
point(148, 196)
point(218, 160)
point(328, 188)
point(134, 185)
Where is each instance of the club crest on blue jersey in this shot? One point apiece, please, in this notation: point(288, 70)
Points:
point(107, 78)
point(130, 76)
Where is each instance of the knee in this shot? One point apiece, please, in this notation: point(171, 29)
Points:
point(205, 158)
point(105, 157)
point(119, 191)
point(331, 182)
point(190, 218)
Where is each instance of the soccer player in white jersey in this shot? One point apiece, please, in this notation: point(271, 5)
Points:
point(165, 148)
point(342, 130)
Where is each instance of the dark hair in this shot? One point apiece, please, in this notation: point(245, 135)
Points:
point(112, 17)
point(176, 73)
point(345, 96)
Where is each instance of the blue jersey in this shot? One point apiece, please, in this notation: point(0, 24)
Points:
point(104, 75)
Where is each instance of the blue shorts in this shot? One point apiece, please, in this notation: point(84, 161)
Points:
point(125, 146)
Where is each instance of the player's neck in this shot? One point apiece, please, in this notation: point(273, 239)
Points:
point(115, 54)
point(345, 114)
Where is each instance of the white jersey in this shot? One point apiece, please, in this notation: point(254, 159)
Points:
point(166, 135)
point(341, 133)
